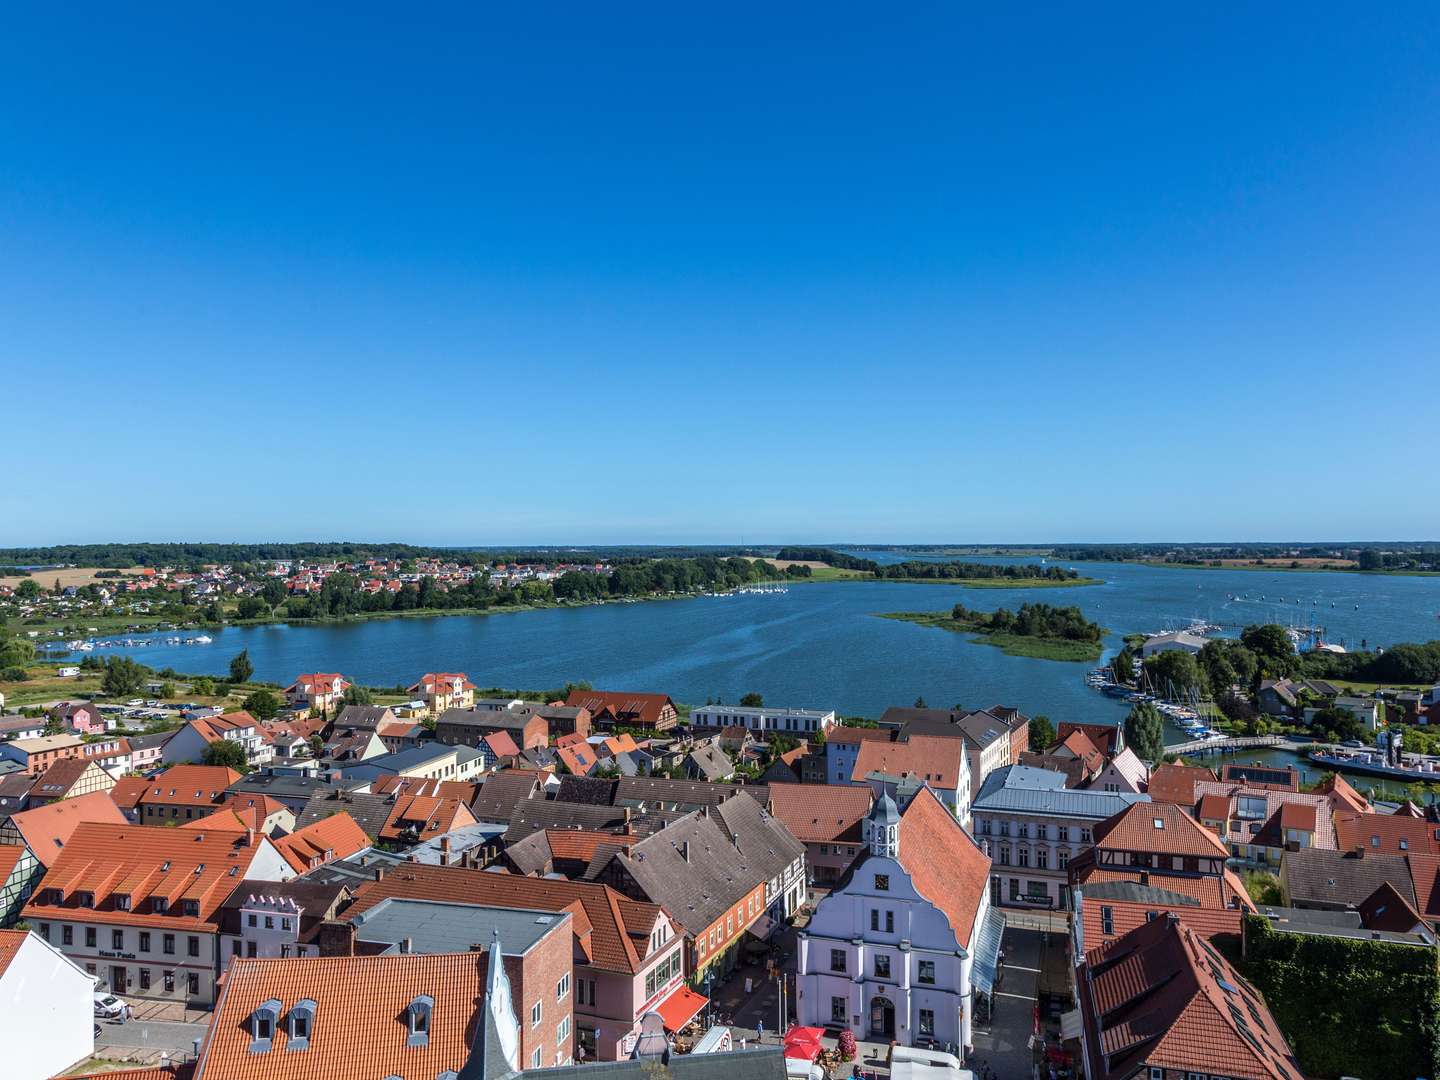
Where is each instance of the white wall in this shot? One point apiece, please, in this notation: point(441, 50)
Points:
point(46, 1015)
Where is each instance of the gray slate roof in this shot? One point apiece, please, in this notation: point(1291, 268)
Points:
point(435, 926)
point(367, 717)
point(1336, 879)
point(1024, 790)
point(369, 811)
point(679, 794)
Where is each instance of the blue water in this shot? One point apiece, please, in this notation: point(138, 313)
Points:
point(818, 645)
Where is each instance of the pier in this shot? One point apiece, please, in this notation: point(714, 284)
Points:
point(1237, 742)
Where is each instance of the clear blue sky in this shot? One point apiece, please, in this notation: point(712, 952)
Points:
point(617, 273)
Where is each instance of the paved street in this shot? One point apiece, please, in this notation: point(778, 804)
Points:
point(147, 1040)
point(1004, 1044)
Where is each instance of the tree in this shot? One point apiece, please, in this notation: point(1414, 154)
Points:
point(17, 652)
point(251, 607)
point(1370, 559)
point(204, 686)
point(28, 589)
point(358, 695)
point(1176, 672)
point(1042, 733)
point(317, 746)
point(1145, 731)
point(1273, 649)
point(123, 676)
point(1337, 725)
point(226, 752)
point(240, 668)
point(261, 704)
point(167, 690)
point(753, 700)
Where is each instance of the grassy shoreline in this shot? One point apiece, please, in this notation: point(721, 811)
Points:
point(831, 573)
point(1037, 648)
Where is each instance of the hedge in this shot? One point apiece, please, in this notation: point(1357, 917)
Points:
point(1351, 1007)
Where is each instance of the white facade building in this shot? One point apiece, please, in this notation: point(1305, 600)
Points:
point(46, 1008)
point(761, 720)
point(899, 950)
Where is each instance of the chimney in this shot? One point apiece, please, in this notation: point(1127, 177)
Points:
point(1144, 877)
point(379, 873)
point(249, 837)
point(445, 850)
point(336, 938)
point(406, 945)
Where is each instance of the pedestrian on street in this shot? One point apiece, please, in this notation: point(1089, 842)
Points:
point(759, 1031)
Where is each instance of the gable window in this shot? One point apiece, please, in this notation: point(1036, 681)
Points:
point(302, 1022)
point(837, 959)
point(262, 1023)
point(837, 1010)
point(927, 972)
point(1107, 920)
point(417, 1017)
point(882, 967)
point(889, 922)
point(882, 882)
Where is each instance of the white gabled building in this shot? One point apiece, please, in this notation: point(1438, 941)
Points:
point(46, 1008)
point(904, 943)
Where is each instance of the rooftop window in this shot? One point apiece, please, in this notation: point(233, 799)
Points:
point(418, 1020)
point(302, 1022)
point(262, 1026)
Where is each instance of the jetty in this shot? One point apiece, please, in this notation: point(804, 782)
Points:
point(1233, 743)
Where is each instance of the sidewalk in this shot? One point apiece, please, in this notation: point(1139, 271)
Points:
point(176, 1011)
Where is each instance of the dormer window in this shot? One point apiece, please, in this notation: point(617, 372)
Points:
point(418, 1018)
point(161, 905)
point(302, 1022)
point(122, 901)
point(262, 1026)
point(86, 899)
point(191, 908)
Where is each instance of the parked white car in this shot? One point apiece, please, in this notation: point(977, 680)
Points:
point(109, 1006)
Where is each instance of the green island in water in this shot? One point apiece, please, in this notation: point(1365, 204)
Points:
point(1039, 631)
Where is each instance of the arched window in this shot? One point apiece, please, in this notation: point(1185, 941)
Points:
point(262, 1026)
point(418, 1018)
point(302, 1023)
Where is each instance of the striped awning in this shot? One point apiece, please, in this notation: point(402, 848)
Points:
point(984, 969)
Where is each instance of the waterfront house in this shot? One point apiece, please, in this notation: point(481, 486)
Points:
point(1277, 697)
point(1179, 641)
point(443, 690)
point(138, 907)
point(612, 709)
point(991, 742)
point(1259, 822)
point(763, 721)
point(899, 949)
point(319, 693)
point(1170, 783)
point(1031, 825)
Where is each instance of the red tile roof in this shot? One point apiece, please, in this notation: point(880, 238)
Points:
point(423, 785)
point(189, 785)
point(1080, 745)
point(502, 745)
point(360, 1027)
point(10, 942)
point(818, 813)
point(1214, 806)
point(945, 864)
point(1158, 828)
point(442, 682)
point(323, 841)
point(1176, 783)
point(580, 844)
point(1161, 997)
point(644, 710)
point(47, 829)
point(931, 757)
point(318, 683)
point(128, 791)
point(424, 816)
point(1390, 834)
point(144, 864)
point(1425, 875)
point(214, 728)
point(608, 925)
point(1126, 915)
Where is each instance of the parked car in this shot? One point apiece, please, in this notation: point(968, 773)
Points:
point(108, 1006)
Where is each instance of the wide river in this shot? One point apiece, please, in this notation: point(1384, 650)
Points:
point(819, 645)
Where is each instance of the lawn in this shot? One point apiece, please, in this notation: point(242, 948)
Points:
point(1037, 648)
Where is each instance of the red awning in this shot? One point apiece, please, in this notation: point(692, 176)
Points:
point(681, 1007)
